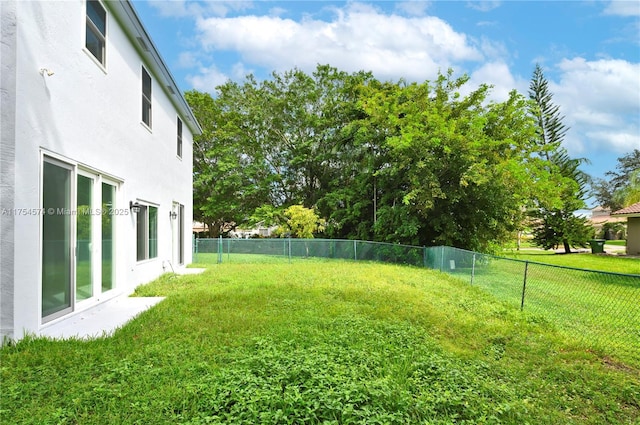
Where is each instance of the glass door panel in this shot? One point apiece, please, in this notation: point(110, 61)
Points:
point(84, 237)
point(153, 232)
point(181, 235)
point(108, 236)
point(56, 240)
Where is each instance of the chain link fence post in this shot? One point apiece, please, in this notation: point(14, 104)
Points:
point(424, 257)
point(473, 268)
point(524, 284)
point(355, 250)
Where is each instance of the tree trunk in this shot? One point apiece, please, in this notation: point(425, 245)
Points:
point(567, 248)
point(214, 229)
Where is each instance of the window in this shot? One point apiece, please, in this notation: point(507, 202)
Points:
point(146, 232)
point(179, 152)
point(96, 30)
point(146, 97)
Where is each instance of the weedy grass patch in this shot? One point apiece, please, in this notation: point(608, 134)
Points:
point(319, 342)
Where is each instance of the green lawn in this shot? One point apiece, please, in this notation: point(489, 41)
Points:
point(617, 242)
point(319, 341)
point(608, 263)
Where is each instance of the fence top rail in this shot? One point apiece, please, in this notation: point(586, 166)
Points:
point(255, 240)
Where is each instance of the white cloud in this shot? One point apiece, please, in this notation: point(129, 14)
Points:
point(358, 38)
point(487, 24)
point(239, 71)
point(187, 60)
point(277, 11)
point(413, 8)
point(612, 85)
point(484, 5)
point(601, 102)
point(207, 79)
point(176, 8)
point(623, 8)
point(493, 49)
point(496, 74)
point(182, 8)
point(620, 141)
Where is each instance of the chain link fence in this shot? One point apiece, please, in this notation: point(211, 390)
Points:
point(235, 250)
point(600, 308)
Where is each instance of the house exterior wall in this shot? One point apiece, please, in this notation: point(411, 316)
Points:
point(633, 235)
point(90, 118)
point(7, 162)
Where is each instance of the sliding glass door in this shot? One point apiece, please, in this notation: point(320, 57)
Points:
point(78, 237)
point(57, 264)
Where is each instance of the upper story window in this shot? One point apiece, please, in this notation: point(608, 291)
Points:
point(179, 141)
point(146, 97)
point(96, 30)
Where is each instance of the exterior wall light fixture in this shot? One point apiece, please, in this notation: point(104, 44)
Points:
point(134, 207)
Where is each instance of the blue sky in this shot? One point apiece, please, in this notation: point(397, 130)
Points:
point(589, 50)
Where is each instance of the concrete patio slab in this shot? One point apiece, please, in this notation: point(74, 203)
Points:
point(188, 270)
point(102, 319)
point(105, 318)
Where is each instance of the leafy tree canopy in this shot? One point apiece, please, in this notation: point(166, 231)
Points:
point(300, 222)
point(566, 184)
point(422, 163)
point(622, 187)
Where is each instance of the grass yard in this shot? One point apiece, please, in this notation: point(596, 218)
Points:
point(319, 341)
point(617, 242)
point(608, 263)
point(602, 309)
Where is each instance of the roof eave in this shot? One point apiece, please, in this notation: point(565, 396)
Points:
point(126, 15)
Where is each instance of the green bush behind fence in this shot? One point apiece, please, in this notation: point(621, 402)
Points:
point(600, 308)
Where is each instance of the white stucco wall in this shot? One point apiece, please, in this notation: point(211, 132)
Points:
point(633, 235)
point(90, 117)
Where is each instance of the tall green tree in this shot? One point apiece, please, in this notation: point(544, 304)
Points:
point(622, 187)
point(566, 184)
point(456, 172)
point(227, 178)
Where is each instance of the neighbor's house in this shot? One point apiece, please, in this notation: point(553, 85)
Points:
point(96, 160)
point(632, 213)
point(600, 217)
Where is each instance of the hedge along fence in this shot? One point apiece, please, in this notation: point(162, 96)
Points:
point(602, 309)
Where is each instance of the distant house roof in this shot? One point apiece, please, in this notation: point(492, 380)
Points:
point(600, 215)
point(630, 211)
point(128, 18)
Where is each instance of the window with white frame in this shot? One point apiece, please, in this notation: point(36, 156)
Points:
point(96, 32)
point(146, 97)
point(146, 232)
point(179, 141)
